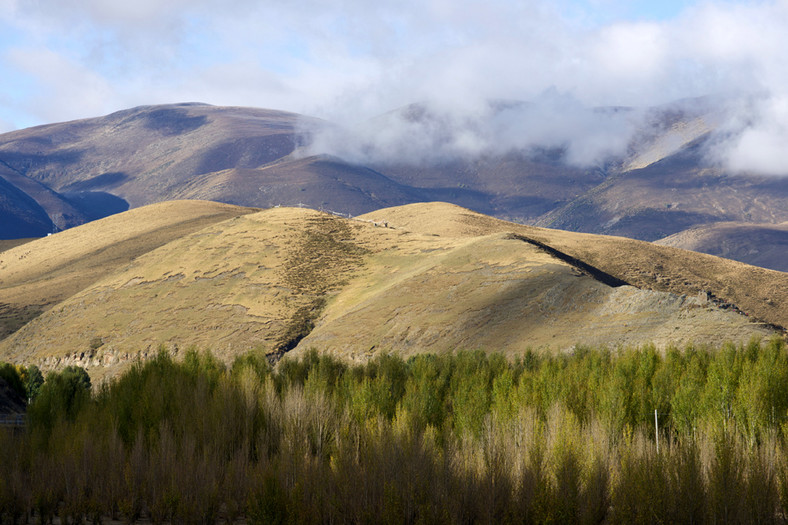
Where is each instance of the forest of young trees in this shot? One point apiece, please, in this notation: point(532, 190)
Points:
point(456, 438)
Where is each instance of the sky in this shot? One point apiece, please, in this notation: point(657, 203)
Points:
point(349, 60)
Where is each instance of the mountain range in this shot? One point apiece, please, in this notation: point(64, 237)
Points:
point(663, 187)
point(233, 229)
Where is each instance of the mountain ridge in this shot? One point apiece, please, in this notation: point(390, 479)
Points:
point(662, 185)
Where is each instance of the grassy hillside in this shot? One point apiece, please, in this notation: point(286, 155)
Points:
point(758, 292)
point(38, 274)
point(431, 277)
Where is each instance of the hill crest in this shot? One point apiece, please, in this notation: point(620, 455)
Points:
point(287, 279)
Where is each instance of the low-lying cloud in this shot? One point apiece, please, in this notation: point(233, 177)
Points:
point(759, 140)
point(350, 61)
point(425, 133)
point(732, 53)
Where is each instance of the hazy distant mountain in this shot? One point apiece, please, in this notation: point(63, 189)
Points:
point(763, 245)
point(661, 183)
point(668, 183)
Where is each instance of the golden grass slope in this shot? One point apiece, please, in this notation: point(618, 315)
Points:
point(438, 278)
point(40, 273)
point(760, 293)
point(499, 293)
point(231, 286)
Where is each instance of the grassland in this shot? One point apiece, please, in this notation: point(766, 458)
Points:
point(7, 244)
point(429, 277)
point(759, 292)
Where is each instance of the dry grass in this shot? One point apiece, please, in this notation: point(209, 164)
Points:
point(37, 275)
point(7, 244)
point(439, 278)
point(758, 292)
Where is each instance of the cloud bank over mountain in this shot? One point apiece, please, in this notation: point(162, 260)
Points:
point(350, 60)
point(429, 133)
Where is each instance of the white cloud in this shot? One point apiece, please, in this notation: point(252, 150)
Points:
point(627, 51)
point(430, 132)
point(350, 60)
point(758, 138)
point(727, 49)
point(743, 48)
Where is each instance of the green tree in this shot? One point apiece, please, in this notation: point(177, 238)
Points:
point(61, 397)
point(685, 406)
point(762, 395)
point(722, 383)
point(34, 380)
point(426, 389)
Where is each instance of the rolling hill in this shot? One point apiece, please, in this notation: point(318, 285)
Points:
point(423, 277)
point(36, 275)
point(757, 291)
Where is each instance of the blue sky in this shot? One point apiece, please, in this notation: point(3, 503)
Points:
point(69, 59)
point(612, 10)
point(656, 9)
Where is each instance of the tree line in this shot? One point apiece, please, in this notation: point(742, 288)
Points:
point(455, 438)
